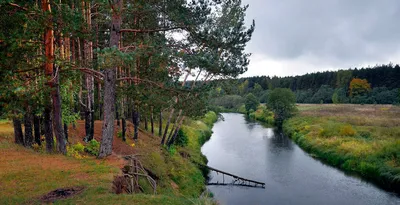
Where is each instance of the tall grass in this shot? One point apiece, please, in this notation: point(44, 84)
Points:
point(333, 134)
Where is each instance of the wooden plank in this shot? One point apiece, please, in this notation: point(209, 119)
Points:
point(234, 176)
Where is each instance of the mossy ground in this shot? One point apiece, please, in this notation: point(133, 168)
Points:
point(363, 139)
point(26, 174)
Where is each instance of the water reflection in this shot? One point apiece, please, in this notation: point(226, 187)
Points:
point(252, 151)
point(280, 141)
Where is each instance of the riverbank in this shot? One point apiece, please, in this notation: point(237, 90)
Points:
point(262, 114)
point(28, 174)
point(362, 139)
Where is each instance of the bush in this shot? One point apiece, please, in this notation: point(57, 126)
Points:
point(92, 147)
point(364, 134)
point(347, 130)
point(79, 147)
point(181, 139)
point(71, 152)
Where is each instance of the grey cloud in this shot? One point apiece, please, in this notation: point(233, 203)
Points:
point(337, 31)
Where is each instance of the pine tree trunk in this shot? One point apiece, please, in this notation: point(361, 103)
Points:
point(109, 85)
point(48, 129)
point(28, 128)
point(171, 142)
point(57, 118)
point(53, 82)
point(167, 125)
point(18, 135)
point(36, 123)
point(152, 121)
point(136, 121)
point(123, 129)
point(87, 125)
point(66, 131)
point(174, 125)
point(117, 114)
point(100, 106)
point(146, 127)
point(160, 125)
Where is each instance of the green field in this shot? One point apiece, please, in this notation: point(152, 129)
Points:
point(363, 139)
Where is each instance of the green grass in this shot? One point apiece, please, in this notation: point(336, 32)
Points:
point(356, 138)
point(25, 174)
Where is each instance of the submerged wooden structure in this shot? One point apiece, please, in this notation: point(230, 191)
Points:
point(237, 181)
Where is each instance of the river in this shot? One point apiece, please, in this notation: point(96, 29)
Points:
point(252, 151)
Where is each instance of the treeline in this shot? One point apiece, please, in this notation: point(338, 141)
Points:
point(65, 60)
point(382, 86)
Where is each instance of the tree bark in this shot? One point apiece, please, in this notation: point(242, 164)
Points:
point(53, 80)
point(36, 123)
point(66, 131)
point(57, 118)
point(18, 135)
point(117, 114)
point(167, 125)
point(171, 142)
point(174, 125)
point(48, 128)
point(28, 128)
point(109, 85)
point(160, 125)
point(136, 121)
point(123, 129)
point(146, 126)
point(152, 121)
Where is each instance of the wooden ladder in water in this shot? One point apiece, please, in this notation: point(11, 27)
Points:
point(238, 181)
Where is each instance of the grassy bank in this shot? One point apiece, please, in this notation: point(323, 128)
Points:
point(25, 174)
point(262, 114)
point(363, 139)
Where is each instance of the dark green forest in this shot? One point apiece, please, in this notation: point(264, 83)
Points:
point(380, 85)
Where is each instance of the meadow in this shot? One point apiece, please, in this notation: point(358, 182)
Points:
point(360, 139)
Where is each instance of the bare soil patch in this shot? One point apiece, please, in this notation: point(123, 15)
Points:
point(61, 193)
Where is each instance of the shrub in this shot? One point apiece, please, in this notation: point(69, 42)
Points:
point(329, 129)
point(181, 139)
point(79, 147)
point(364, 134)
point(347, 130)
point(92, 147)
point(71, 152)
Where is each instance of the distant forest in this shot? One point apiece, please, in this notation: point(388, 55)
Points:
point(377, 85)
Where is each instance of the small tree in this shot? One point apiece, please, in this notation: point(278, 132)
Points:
point(251, 102)
point(359, 87)
point(282, 102)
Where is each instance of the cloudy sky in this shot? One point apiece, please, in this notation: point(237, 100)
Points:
point(295, 37)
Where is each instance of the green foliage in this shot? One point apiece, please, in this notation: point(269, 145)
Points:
point(264, 97)
point(181, 139)
point(262, 114)
point(347, 130)
point(339, 96)
point(228, 101)
point(92, 147)
point(257, 90)
point(282, 102)
point(79, 147)
point(251, 102)
point(364, 134)
point(323, 95)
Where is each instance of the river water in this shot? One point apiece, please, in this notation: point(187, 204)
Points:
point(252, 151)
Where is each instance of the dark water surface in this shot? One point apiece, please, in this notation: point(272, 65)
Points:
point(252, 151)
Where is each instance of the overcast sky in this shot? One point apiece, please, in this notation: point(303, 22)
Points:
point(295, 37)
